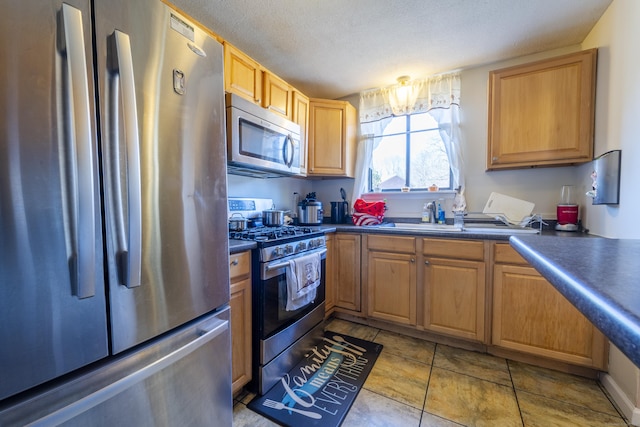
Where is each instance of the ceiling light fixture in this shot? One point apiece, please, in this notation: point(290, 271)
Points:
point(403, 80)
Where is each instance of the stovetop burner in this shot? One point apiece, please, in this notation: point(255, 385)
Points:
point(268, 234)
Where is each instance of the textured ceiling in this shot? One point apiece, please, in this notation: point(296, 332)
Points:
point(334, 48)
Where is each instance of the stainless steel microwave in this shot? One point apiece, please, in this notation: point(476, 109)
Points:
point(260, 143)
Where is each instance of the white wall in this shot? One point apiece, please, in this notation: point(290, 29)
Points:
point(279, 189)
point(618, 127)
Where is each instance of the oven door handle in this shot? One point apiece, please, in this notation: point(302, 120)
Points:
point(271, 267)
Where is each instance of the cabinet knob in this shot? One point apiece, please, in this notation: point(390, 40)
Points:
point(426, 262)
point(413, 260)
point(234, 262)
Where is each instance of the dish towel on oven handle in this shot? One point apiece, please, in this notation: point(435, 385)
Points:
point(303, 278)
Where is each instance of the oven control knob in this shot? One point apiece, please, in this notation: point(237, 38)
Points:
point(288, 249)
point(319, 242)
point(312, 244)
point(301, 247)
point(278, 251)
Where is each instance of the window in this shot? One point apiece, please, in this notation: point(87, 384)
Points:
point(409, 153)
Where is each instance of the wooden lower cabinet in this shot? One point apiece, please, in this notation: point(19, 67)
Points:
point(531, 316)
point(346, 264)
point(454, 288)
point(240, 305)
point(391, 279)
point(330, 276)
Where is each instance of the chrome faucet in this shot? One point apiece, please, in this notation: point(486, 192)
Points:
point(431, 206)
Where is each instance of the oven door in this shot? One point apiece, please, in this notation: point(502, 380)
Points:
point(273, 295)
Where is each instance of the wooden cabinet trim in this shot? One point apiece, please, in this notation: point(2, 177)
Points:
point(391, 243)
point(239, 265)
point(503, 253)
point(458, 249)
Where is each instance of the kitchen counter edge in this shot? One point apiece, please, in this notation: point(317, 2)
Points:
point(388, 228)
point(599, 276)
point(236, 246)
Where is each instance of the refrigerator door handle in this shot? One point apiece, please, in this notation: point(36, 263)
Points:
point(128, 226)
point(77, 158)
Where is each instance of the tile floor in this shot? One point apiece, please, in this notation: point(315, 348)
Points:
point(419, 383)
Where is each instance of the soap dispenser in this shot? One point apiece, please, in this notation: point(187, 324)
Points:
point(425, 213)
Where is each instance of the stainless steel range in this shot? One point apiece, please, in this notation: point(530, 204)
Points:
point(281, 337)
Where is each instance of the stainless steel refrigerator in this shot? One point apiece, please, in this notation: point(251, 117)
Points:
point(113, 229)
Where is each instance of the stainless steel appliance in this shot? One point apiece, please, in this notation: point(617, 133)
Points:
point(280, 337)
point(114, 259)
point(310, 211)
point(260, 143)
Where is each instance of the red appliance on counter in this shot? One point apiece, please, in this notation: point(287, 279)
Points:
point(567, 210)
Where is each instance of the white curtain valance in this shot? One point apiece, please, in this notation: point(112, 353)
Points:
point(414, 97)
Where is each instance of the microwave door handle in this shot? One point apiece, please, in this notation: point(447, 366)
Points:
point(128, 228)
point(78, 162)
point(289, 142)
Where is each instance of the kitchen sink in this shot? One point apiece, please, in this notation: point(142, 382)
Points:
point(499, 229)
point(482, 228)
point(420, 226)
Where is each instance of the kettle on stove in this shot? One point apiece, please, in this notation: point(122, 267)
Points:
point(310, 211)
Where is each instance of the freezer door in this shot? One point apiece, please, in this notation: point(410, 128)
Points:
point(161, 94)
point(183, 379)
point(52, 296)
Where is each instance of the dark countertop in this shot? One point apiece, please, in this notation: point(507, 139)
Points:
point(236, 246)
point(600, 277)
point(388, 228)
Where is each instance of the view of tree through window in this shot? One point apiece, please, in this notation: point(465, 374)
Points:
point(411, 154)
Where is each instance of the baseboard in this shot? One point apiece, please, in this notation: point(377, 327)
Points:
point(626, 406)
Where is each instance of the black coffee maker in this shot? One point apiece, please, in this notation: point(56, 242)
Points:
point(340, 210)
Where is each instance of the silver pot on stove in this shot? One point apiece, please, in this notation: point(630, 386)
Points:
point(310, 211)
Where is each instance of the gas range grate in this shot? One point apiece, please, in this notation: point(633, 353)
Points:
point(267, 234)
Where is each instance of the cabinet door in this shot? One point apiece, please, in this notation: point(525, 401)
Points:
point(300, 115)
point(542, 114)
point(276, 95)
point(242, 75)
point(391, 287)
point(240, 305)
point(530, 315)
point(347, 271)
point(454, 297)
point(331, 138)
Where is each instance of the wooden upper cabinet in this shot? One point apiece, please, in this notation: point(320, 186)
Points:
point(332, 138)
point(276, 95)
point(242, 75)
point(300, 115)
point(542, 113)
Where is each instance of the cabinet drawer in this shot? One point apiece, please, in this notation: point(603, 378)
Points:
point(392, 244)
point(459, 249)
point(505, 254)
point(239, 265)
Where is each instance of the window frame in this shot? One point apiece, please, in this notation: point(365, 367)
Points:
point(407, 143)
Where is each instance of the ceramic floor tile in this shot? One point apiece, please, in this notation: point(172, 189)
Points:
point(247, 397)
point(245, 417)
point(352, 329)
point(430, 420)
point(398, 378)
point(560, 386)
point(479, 365)
point(372, 410)
point(471, 401)
point(411, 348)
point(538, 411)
